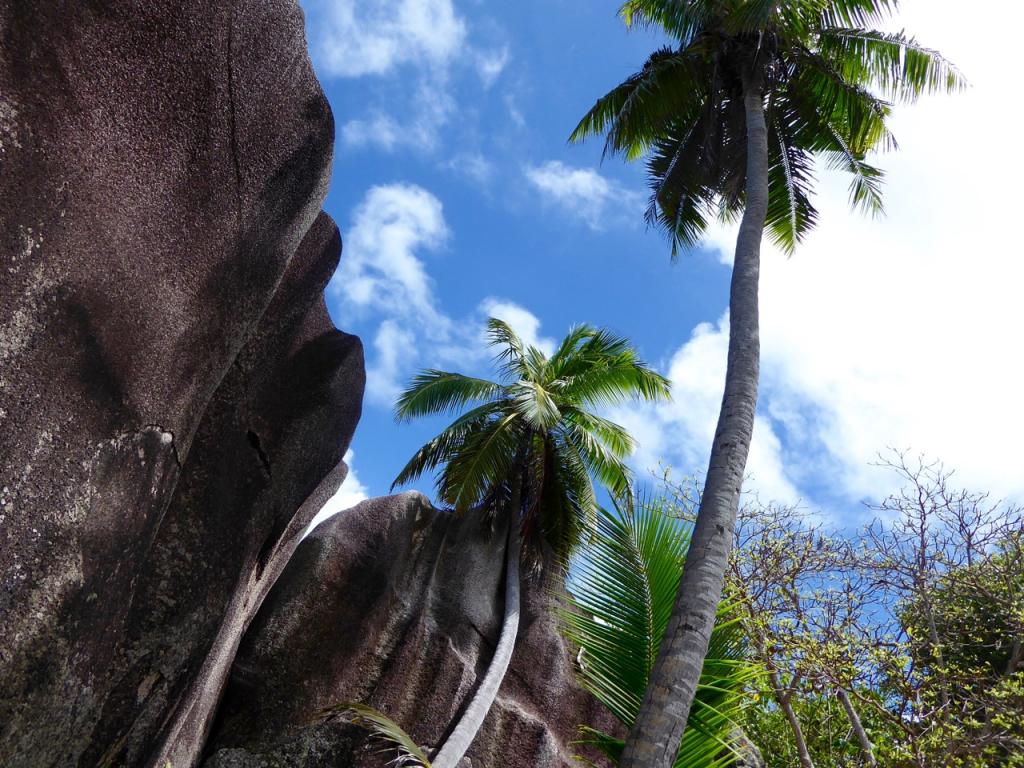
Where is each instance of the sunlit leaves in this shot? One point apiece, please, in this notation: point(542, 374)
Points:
point(535, 429)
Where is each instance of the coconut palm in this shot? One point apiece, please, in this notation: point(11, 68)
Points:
point(527, 450)
point(622, 589)
point(731, 119)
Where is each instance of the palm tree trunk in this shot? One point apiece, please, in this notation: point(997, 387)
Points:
point(654, 740)
point(858, 727)
point(462, 736)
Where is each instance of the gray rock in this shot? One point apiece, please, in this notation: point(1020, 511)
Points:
point(172, 392)
point(398, 605)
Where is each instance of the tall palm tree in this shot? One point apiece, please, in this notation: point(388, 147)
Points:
point(527, 451)
point(731, 119)
point(621, 593)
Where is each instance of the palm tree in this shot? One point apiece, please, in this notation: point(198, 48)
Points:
point(527, 452)
point(731, 119)
point(621, 591)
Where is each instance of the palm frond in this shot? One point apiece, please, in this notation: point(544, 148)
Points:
point(683, 19)
point(408, 753)
point(895, 63)
point(790, 176)
point(856, 13)
point(616, 381)
point(614, 436)
point(535, 404)
point(636, 111)
point(485, 458)
point(621, 593)
point(568, 500)
point(433, 392)
point(447, 443)
point(511, 349)
point(601, 462)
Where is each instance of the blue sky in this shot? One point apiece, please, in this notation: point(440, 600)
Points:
point(458, 196)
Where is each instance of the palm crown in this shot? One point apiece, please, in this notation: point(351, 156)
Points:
point(532, 440)
point(827, 77)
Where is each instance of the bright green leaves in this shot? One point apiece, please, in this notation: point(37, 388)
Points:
point(434, 391)
point(536, 428)
point(622, 589)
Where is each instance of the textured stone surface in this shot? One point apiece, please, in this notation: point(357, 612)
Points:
point(399, 605)
point(172, 393)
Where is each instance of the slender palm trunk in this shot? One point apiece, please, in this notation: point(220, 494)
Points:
point(462, 736)
point(858, 727)
point(654, 740)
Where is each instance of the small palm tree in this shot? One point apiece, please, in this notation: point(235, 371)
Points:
point(527, 450)
point(731, 119)
point(621, 594)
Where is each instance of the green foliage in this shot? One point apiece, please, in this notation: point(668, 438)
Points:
point(384, 730)
point(622, 590)
point(536, 428)
point(827, 79)
point(825, 726)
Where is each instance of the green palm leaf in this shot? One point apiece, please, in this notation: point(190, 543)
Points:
point(534, 428)
point(432, 391)
point(622, 588)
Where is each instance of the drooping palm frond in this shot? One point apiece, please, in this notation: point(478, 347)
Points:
point(432, 391)
point(622, 588)
point(450, 441)
point(510, 348)
point(635, 112)
point(825, 73)
point(895, 63)
point(384, 729)
point(682, 19)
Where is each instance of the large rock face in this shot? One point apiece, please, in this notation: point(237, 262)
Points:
point(399, 605)
point(174, 401)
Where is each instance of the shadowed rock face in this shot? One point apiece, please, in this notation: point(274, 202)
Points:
point(399, 605)
point(174, 401)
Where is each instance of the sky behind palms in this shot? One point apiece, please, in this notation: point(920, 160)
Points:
point(458, 197)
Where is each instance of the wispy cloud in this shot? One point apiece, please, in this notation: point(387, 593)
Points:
point(417, 45)
point(585, 194)
point(385, 291)
point(353, 38)
point(383, 269)
point(491, 63)
point(473, 166)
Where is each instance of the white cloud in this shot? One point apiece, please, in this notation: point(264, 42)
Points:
point(352, 38)
point(382, 267)
point(348, 495)
point(430, 109)
point(474, 166)
point(417, 43)
point(585, 193)
point(395, 347)
point(491, 63)
point(680, 432)
point(383, 281)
